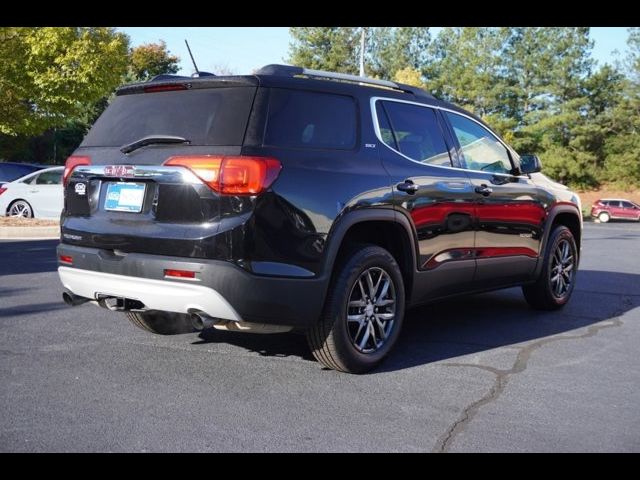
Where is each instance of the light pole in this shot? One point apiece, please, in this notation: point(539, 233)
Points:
point(362, 38)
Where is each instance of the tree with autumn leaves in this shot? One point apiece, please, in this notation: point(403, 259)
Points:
point(55, 81)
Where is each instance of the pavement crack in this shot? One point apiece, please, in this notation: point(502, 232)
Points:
point(502, 376)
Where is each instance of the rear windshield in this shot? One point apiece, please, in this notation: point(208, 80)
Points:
point(211, 116)
point(302, 119)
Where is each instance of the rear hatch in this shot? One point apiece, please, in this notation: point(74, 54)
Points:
point(122, 196)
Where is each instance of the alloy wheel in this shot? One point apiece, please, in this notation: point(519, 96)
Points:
point(371, 310)
point(562, 269)
point(20, 209)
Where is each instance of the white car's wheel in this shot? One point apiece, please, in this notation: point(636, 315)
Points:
point(604, 217)
point(20, 208)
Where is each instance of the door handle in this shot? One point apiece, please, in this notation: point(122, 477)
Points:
point(484, 190)
point(34, 191)
point(408, 187)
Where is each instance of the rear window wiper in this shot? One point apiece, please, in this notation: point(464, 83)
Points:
point(151, 140)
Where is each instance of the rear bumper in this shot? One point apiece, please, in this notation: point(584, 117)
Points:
point(220, 289)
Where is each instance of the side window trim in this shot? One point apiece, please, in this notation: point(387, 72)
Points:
point(512, 153)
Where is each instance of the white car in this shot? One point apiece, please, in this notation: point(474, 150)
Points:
point(37, 194)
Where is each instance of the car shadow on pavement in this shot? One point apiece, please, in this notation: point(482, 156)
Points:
point(471, 324)
point(31, 309)
point(29, 256)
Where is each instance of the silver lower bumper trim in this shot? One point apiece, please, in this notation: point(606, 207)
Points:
point(162, 295)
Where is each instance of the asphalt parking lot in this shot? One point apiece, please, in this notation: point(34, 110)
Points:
point(479, 373)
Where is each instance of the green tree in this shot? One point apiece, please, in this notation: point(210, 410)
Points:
point(151, 59)
point(50, 75)
point(464, 68)
point(325, 48)
point(337, 49)
point(391, 49)
point(622, 147)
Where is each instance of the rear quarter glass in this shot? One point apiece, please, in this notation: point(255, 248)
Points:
point(313, 120)
point(211, 116)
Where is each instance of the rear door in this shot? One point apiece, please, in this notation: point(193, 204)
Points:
point(629, 210)
point(616, 209)
point(45, 193)
point(437, 198)
point(509, 209)
point(132, 201)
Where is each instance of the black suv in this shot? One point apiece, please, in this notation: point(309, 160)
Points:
point(303, 199)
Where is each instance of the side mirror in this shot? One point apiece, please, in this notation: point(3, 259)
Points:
point(530, 163)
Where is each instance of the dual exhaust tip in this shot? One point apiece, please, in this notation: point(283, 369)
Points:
point(73, 300)
point(200, 320)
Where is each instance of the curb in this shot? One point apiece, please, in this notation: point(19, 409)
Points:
point(21, 233)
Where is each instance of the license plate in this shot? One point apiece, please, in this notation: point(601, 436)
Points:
point(125, 197)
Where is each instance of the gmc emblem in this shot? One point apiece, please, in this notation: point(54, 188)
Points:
point(119, 170)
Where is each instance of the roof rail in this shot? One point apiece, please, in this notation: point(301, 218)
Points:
point(292, 71)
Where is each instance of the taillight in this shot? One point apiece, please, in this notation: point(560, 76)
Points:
point(71, 163)
point(232, 175)
point(2, 190)
point(168, 272)
point(66, 259)
point(165, 88)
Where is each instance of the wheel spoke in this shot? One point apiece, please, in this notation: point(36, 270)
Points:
point(362, 292)
point(385, 303)
point(381, 328)
point(362, 324)
point(372, 292)
point(385, 316)
point(377, 285)
point(385, 288)
point(357, 303)
point(355, 318)
point(373, 334)
point(365, 337)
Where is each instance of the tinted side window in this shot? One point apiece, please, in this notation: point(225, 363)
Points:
point(417, 133)
point(50, 178)
point(480, 149)
point(627, 204)
point(385, 127)
point(302, 119)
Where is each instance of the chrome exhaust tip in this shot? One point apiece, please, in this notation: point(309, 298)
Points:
point(201, 320)
point(73, 300)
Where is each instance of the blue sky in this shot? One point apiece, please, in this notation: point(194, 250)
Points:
point(243, 49)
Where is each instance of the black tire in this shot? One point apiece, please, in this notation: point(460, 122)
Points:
point(161, 323)
point(541, 295)
point(330, 339)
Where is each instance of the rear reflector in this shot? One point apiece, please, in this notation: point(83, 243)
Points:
point(66, 259)
point(232, 175)
point(71, 163)
point(179, 273)
point(165, 88)
point(2, 190)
